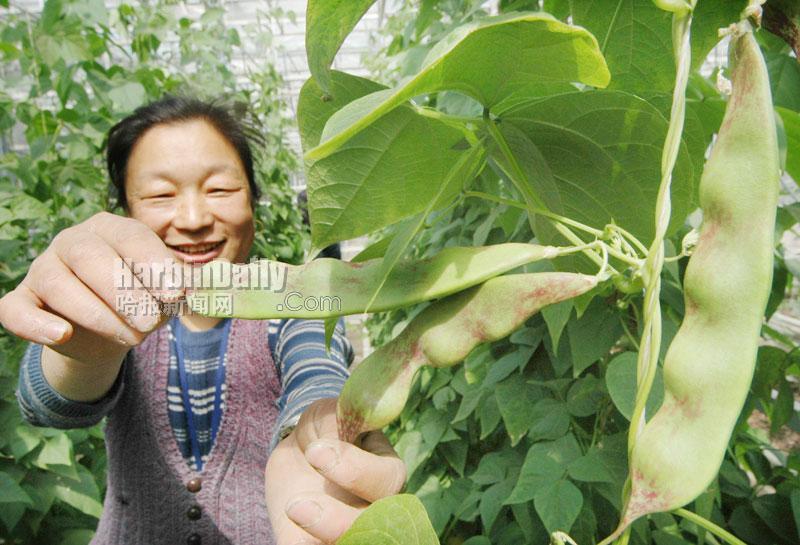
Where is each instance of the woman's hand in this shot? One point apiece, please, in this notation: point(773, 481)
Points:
point(67, 301)
point(316, 485)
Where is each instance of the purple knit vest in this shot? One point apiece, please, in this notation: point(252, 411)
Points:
point(148, 501)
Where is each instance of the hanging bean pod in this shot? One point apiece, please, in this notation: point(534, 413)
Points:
point(709, 365)
point(442, 335)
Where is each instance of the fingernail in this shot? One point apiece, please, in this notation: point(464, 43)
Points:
point(144, 318)
point(322, 456)
point(55, 331)
point(305, 513)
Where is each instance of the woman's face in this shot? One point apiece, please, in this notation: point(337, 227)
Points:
point(186, 182)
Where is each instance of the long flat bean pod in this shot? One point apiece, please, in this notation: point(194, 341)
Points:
point(328, 287)
point(442, 335)
point(709, 365)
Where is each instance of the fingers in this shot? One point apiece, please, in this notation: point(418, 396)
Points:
point(100, 268)
point(64, 293)
point(322, 517)
point(22, 315)
point(371, 472)
point(317, 422)
point(133, 240)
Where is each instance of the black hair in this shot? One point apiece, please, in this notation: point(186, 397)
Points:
point(171, 109)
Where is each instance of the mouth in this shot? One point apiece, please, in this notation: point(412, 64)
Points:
point(198, 253)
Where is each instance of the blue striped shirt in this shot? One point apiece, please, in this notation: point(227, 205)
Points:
point(307, 371)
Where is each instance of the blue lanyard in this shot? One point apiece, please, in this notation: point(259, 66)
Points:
point(216, 415)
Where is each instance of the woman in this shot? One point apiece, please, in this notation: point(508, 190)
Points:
point(192, 402)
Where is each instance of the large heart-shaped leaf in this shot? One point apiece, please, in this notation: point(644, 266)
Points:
point(497, 61)
point(602, 150)
point(635, 38)
point(328, 22)
point(391, 170)
point(315, 106)
point(396, 520)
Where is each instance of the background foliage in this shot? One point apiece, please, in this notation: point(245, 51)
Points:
point(70, 73)
point(529, 435)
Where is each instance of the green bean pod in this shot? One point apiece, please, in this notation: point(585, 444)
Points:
point(442, 335)
point(324, 288)
point(709, 365)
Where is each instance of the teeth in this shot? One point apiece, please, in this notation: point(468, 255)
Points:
point(197, 249)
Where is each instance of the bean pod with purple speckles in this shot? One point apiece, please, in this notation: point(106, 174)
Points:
point(709, 365)
point(442, 335)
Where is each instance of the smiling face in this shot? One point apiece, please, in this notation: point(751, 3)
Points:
point(186, 182)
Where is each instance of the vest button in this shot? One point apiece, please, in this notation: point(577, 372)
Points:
point(194, 486)
point(194, 539)
point(194, 512)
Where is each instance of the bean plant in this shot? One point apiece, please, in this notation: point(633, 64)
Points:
point(588, 143)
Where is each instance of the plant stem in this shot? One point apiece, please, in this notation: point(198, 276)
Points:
point(647, 363)
point(636, 242)
point(532, 200)
point(462, 123)
point(540, 211)
point(709, 526)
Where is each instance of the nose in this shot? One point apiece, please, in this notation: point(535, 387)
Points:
point(192, 213)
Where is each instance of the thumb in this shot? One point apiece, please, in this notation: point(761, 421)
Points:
point(317, 422)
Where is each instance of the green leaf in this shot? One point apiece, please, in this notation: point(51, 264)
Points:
point(498, 61)
point(24, 207)
point(412, 450)
point(396, 520)
point(621, 384)
point(470, 401)
point(507, 364)
point(127, 96)
point(783, 408)
point(585, 395)
point(76, 537)
point(68, 48)
point(545, 464)
point(328, 22)
point(455, 452)
point(356, 190)
point(11, 514)
point(548, 419)
point(56, 451)
point(708, 17)
point(556, 317)
point(594, 157)
point(530, 336)
point(432, 424)
point(516, 399)
point(795, 501)
point(791, 126)
point(635, 38)
point(558, 504)
point(488, 416)
point(315, 107)
point(592, 335)
point(784, 79)
point(495, 466)
point(330, 329)
point(492, 499)
point(478, 540)
point(464, 170)
point(11, 492)
point(591, 468)
point(82, 494)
